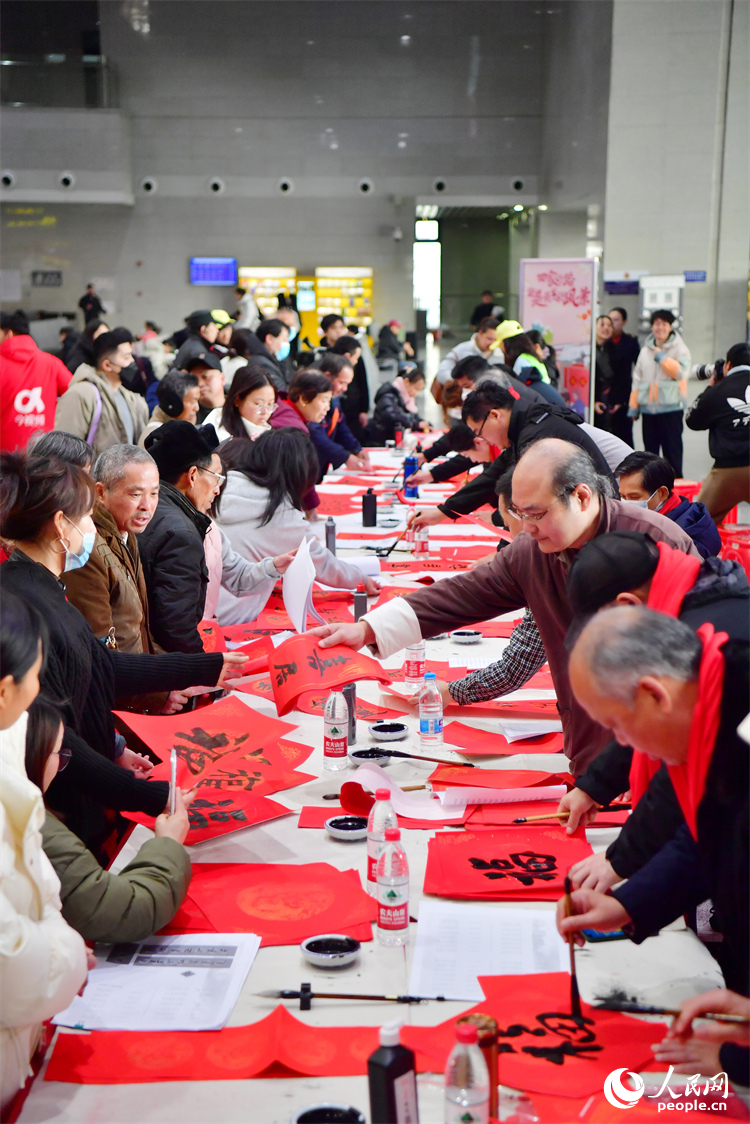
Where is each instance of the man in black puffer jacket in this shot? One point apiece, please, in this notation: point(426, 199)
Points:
point(724, 410)
point(509, 425)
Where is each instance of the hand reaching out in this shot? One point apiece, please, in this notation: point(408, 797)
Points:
point(136, 763)
point(352, 635)
point(372, 586)
point(232, 669)
point(591, 910)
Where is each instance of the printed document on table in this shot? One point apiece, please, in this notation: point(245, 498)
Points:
point(188, 982)
point(457, 942)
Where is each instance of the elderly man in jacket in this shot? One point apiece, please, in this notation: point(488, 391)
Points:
point(172, 545)
point(677, 697)
point(563, 503)
point(110, 590)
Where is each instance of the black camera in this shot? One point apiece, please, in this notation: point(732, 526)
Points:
point(705, 371)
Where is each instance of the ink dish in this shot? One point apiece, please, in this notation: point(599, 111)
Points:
point(330, 950)
point(389, 731)
point(375, 753)
point(466, 635)
point(350, 829)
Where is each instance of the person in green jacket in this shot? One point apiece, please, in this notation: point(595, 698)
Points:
point(101, 906)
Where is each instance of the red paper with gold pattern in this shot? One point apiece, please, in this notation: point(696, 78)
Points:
point(282, 903)
point(521, 863)
point(300, 665)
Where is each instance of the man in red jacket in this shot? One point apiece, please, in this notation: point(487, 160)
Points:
point(30, 383)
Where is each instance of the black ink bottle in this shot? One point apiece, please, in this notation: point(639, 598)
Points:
point(392, 1080)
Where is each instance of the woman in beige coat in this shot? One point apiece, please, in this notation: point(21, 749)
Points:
point(43, 962)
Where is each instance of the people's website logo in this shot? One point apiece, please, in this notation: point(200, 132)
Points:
point(690, 1097)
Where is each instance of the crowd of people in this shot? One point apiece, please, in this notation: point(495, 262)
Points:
point(150, 484)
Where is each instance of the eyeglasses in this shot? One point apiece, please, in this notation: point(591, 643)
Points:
point(533, 517)
point(262, 407)
point(64, 755)
point(221, 479)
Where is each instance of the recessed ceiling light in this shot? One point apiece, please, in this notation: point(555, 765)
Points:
point(542, 207)
point(518, 207)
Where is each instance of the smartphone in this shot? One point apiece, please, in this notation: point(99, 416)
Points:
point(595, 935)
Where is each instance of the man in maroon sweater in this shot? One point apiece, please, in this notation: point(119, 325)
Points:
point(563, 503)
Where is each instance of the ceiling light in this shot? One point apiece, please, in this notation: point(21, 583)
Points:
point(542, 207)
point(518, 207)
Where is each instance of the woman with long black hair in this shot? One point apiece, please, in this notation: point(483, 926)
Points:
point(262, 504)
point(250, 401)
point(45, 510)
point(43, 961)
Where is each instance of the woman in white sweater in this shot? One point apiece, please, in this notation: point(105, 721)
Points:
point(250, 401)
point(43, 962)
point(261, 508)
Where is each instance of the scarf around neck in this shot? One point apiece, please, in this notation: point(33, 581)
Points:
point(675, 574)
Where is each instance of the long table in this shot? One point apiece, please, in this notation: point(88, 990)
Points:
point(664, 970)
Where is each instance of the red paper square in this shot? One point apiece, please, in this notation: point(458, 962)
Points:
point(479, 743)
point(509, 864)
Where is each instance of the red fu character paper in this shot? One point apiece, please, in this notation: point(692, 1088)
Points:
point(300, 665)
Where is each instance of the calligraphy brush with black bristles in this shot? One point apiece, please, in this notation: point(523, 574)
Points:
point(575, 997)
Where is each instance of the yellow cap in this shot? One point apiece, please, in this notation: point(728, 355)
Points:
point(508, 328)
point(221, 317)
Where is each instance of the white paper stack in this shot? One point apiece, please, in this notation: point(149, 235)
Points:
point(188, 982)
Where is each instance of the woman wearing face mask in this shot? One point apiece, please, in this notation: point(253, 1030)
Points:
point(250, 402)
point(45, 510)
point(43, 962)
point(101, 906)
point(274, 336)
point(307, 400)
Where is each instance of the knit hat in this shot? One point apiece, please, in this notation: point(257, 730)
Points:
point(178, 445)
point(617, 562)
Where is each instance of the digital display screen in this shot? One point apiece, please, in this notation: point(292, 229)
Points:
point(213, 271)
point(306, 300)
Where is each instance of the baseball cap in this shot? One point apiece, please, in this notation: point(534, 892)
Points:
point(221, 317)
point(205, 359)
point(199, 319)
point(614, 563)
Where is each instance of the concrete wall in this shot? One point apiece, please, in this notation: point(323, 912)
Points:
point(677, 182)
point(324, 93)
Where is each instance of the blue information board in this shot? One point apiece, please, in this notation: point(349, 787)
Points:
point(213, 271)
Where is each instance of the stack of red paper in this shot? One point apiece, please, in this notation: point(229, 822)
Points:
point(509, 864)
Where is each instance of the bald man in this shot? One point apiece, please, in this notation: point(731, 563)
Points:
point(562, 503)
point(679, 698)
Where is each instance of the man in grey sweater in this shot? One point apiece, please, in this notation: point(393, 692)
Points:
point(562, 503)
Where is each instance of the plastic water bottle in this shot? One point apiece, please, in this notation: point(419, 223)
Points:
point(430, 714)
point(467, 1082)
point(421, 547)
point(393, 891)
point(414, 665)
point(381, 816)
point(336, 731)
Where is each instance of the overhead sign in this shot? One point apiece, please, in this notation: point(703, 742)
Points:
point(46, 278)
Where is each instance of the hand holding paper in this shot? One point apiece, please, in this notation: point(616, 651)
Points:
point(297, 588)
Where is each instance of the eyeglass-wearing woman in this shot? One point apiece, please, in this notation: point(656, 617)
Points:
point(250, 401)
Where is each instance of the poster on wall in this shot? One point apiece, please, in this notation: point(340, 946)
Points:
point(557, 298)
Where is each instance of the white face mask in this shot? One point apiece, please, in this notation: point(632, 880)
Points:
point(77, 561)
point(645, 503)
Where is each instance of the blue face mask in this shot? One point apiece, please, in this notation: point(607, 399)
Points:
point(283, 351)
point(293, 333)
point(77, 561)
point(645, 503)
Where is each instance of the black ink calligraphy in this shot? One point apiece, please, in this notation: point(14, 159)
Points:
point(524, 866)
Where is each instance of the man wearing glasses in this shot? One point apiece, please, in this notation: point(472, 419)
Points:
point(505, 425)
point(182, 548)
point(562, 503)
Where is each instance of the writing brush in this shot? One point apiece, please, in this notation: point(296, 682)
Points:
point(274, 993)
point(640, 1009)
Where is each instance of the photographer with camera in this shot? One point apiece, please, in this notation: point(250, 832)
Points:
point(724, 410)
